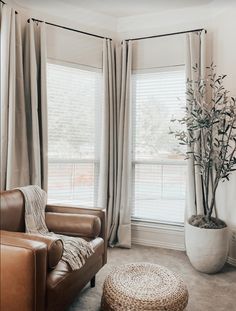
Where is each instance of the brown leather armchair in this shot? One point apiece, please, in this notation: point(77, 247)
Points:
point(33, 278)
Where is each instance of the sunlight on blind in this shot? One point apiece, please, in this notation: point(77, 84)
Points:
point(159, 170)
point(74, 104)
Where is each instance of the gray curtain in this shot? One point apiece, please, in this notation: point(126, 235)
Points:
point(36, 102)
point(115, 167)
point(14, 155)
point(195, 54)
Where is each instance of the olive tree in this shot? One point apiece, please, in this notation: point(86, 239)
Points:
point(209, 133)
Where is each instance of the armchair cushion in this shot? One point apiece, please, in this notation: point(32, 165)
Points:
point(54, 245)
point(82, 225)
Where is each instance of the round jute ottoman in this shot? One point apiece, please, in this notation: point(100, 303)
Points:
point(143, 287)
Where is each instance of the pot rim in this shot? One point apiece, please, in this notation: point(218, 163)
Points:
point(210, 229)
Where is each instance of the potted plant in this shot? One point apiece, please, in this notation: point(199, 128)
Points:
point(209, 134)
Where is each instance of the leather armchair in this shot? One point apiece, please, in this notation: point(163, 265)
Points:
point(33, 277)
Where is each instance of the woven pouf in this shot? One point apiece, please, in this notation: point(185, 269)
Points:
point(143, 287)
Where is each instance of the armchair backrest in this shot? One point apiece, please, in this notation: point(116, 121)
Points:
point(12, 211)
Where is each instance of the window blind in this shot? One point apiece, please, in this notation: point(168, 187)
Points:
point(74, 102)
point(158, 166)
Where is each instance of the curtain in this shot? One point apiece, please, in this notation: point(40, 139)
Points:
point(195, 55)
point(115, 167)
point(124, 64)
point(14, 155)
point(108, 162)
point(35, 61)
point(1, 7)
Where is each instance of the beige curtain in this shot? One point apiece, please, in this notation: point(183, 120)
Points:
point(123, 225)
point(36, 102)
point(195, 54)
point(108, 162)
point(14, 155)
point(1, 7)
point(115, 167)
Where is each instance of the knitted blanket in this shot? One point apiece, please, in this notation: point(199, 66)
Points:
point(76, 250)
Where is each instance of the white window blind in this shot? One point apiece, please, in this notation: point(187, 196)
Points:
point(74, 103)
point(158, 168)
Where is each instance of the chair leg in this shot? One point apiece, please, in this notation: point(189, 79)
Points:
point(93, 281)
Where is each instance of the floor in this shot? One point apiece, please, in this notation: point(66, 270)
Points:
point(206, 292)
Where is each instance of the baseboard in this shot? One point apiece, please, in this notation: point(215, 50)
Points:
point(158, 235)
point(160, 244)
point(163, 236)
point(232, 261)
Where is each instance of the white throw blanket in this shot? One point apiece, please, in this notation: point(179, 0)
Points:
point(76, 250)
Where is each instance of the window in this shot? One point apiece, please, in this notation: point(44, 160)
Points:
point(158, 168)
point(74, 103)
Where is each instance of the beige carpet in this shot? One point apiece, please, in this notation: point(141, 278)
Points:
point(207, 292)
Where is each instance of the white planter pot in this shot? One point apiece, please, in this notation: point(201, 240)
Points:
point(207, 249)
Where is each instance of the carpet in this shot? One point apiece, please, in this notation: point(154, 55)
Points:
point(207, 292)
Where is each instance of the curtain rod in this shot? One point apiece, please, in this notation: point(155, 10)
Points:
point(4, 3)
point(165, 35)
point(67, 28)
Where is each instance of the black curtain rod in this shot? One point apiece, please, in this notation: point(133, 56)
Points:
point(165, 35)
point(71, 29)
point(4, 3)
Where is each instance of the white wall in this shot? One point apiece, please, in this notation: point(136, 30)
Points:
point(159, 52)
point(73, 47)
point(67, 15)
point(224, 56)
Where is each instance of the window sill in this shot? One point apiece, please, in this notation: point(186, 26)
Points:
point(157, 224)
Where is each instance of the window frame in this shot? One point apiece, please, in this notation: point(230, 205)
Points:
point(135, 219)
point(74, 161)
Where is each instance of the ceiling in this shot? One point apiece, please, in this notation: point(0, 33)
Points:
point(116, 8)
point(123, 8)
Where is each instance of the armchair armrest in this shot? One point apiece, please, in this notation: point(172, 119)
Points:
point(101, 213)
point(86, 226)
point(54, 245)
point(23, 274)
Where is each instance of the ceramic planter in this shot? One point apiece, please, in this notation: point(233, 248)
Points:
point(207, 249)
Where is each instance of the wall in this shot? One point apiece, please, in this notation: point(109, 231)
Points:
point(158, 52)
point(224, 55)
point(73, 47)
point(66, 15)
